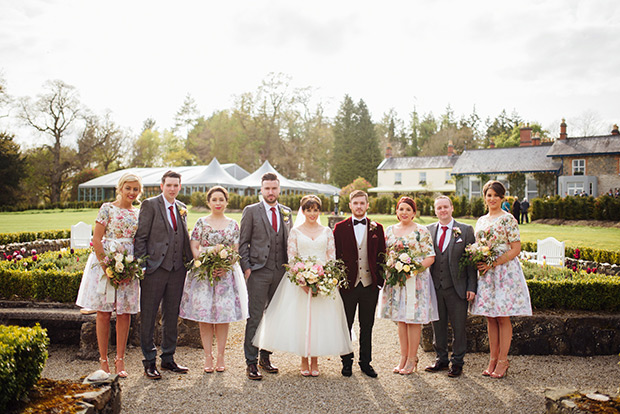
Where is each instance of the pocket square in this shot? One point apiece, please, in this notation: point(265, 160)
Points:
point(459, 240)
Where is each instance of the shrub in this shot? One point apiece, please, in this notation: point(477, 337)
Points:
point(28, 236)
point(585, 253)
point(198, 199)
point(477, 207)
point(23, 352)
point(577, 208)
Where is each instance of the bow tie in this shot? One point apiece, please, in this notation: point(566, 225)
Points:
point(356, 222)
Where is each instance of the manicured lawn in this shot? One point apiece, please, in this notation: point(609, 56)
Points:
point(35, 220)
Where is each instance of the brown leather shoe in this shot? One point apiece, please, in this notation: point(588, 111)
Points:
point(437, 366)
point(151, 372)
point(253, 374)
point(266, 365)
point(455, 371)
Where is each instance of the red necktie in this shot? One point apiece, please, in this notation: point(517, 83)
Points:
point(174, 219)
point(274, 219)
point(443, 237)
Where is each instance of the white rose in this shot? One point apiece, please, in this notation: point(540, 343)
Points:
point(119, 266)
point(118, 257)
point(399, 266)
point(403, 257)
point(224, 254)
point(129, 258)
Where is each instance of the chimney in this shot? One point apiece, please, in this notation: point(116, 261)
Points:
point(492, 144)
point(450, 148)
point(563, 134)
point(525, 136)
point(388, 152)
point(615, 130)
point(536, 139)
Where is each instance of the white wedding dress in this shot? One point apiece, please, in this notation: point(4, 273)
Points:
point(287, 326)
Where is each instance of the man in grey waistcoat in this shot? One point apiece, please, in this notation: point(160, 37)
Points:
point(163, 238)
point(262, 245)
point(454, 285)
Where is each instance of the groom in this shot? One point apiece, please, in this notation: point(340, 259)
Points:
point(162, 237)
point(454, 285)
point(360, 243)
point(262, 246)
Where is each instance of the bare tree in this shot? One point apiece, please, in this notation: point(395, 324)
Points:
point(102, 142)
point(587, 124)
point(54, 113)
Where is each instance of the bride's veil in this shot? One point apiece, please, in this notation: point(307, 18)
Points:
point(300, 219)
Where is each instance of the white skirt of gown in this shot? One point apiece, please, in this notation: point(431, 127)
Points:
point(285, 325)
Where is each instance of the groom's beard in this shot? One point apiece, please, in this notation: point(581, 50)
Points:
point(271, 199)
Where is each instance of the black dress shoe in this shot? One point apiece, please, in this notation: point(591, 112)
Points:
point(368, 370)
point(172, 366)
point(437, 366)
point(455, 371)
point(253, 374)
point(266, 365)
point(347, 369)
point(151, 372)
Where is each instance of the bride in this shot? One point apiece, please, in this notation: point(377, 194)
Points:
point(295, 321)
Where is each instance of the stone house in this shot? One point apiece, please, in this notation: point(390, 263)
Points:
point(588, 164)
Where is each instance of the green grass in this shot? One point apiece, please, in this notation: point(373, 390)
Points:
point(575, 236)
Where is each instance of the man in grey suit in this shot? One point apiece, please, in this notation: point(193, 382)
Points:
point(163, 238)
point(262, 245)
point(454, 285)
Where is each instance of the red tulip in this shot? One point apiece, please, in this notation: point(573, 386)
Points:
point(34, 258)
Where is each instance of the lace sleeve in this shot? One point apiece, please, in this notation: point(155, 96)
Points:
point(291, 249)
point(331, 245)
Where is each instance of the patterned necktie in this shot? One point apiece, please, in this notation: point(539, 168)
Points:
point(174, 219)
point(443, 237)
point(274, 219)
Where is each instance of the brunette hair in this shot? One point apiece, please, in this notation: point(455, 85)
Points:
point(358, 193)
point(170, 174)
point(496, 186)
point(215, 189)
point(309, 201)
point(407, 200)
point(127, 178)
point(269, 177)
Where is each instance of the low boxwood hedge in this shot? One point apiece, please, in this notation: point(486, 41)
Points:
point(23, 352)
point(29, 236)
point(585, 253)
point(40, 285)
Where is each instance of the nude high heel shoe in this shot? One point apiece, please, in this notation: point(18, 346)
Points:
point(499, 374)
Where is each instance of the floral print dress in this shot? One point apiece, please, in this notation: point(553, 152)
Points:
point(120, 228)
point(502, 290)
point(419, 306)
point(219, 303)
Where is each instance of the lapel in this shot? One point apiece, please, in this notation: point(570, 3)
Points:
point(350, 233)
point(164, 213)
point(263, 217)
point(283, 225)
point(451, 244)
point(180, 220)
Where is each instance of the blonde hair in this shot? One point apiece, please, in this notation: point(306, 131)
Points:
point(128, 178)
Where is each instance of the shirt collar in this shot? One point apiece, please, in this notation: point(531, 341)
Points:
point(268, 207)
point(169, 204)
point(450, 225)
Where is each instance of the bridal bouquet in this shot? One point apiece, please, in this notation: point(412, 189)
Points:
point(321, 279)
point(485, 249)
point(122, 267)
point(402, 262)
point(214, 257)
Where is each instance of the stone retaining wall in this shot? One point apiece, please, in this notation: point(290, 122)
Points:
point(39, 245)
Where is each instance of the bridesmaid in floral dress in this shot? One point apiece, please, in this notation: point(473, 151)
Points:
point(502, 291)
point(115, 227)
point(415, 303)
point(214, 307)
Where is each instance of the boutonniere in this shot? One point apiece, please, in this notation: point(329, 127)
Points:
point(456, 232)
point(182, 212)
point(286, 215)
point(373, 225)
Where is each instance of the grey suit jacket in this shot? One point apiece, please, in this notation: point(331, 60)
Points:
point(254, 234)
point(464, 279)
point(154, 232)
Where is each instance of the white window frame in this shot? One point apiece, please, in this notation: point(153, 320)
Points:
point(422, 177)
point(579, 166)
point(573, 188)
point(398, 178)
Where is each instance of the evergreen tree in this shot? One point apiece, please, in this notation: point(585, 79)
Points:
point(11, 169)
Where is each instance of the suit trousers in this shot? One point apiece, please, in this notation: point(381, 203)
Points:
point(451, 308)
point(165, 287)
point(365, 300)
point(262, 284)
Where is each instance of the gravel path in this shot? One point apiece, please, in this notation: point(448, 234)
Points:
point(287, 392)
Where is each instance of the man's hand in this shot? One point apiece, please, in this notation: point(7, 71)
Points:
point(247, 273)
point(470, 296)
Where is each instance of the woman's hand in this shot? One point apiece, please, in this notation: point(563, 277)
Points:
point(483, 267)
point(306, 289)
point(219, 273)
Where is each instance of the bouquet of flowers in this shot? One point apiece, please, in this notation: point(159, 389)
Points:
point(214, 257)
point(485, 250)
point(122, 267)
point(402, 262)
point(321, 279)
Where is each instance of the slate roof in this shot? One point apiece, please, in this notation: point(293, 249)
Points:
point(570, 147)
point(418, 163)
point(505, 161)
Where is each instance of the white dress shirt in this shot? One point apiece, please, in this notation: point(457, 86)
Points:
point(359, 229)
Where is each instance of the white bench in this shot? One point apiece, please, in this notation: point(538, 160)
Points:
point(550, 251)
point(81, 235)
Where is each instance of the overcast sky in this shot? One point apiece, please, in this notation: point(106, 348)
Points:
point(545, 59)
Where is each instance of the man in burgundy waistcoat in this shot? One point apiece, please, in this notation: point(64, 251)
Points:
point(360, 243)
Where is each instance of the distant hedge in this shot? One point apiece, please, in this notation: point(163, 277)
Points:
point(577, 208)
point(50, 206)
point(28, 236)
